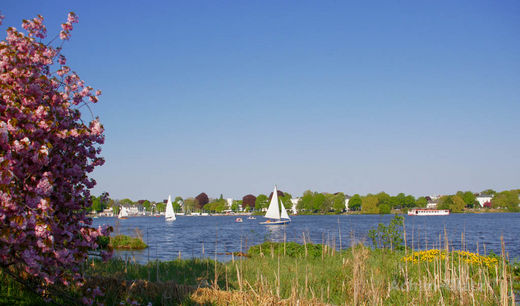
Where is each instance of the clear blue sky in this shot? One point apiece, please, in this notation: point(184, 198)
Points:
point(231, 97)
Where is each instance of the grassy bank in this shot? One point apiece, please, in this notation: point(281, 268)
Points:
point(290, 273)
point(127, 243)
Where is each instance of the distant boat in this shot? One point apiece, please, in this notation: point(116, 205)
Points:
point(123, 213)
point(170, 214)
point(251, 218)
point(239, 220)
point(276, 212)
point(428, 212)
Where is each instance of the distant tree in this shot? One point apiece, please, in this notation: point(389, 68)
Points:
point(384, 208)
point(506, 199)
point(96, 204)
point(176, 207)
point(286, 200)
point(235, 206)
point(305, 203)
point(201, 200)
point(452, 202)
point(355, 202)
point(161, 207)
point(189, 204)
point(490, 192)
point(178, 203)
point(400, 200)
point(248, 201)
point(383, 198)
point(320, 203)
point(217, 206)
point(469, 198)
point(126, 202)
point(409, 201)
point(338, 202)
point(369, 205)
point(262, 201)
point(147, 205)
point(421, 202)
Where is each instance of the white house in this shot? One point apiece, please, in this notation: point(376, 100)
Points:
point(347, 199)
point(229, 202)
point(294, 204)
point(483, 199)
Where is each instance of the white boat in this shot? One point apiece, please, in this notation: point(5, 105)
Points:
point(170, 214)
point(123, 213)
point(276, 212)
point(428, 212)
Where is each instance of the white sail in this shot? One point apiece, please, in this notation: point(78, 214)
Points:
point(273, 211)
point(123, 213)
point(170, 214)
point(284, 212)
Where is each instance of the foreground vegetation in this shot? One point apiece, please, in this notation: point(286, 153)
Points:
point(290, 273)
point(127, 243)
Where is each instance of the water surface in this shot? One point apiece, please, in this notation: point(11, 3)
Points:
point(214, 236)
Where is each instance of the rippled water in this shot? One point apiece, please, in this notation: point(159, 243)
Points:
point(205, 236)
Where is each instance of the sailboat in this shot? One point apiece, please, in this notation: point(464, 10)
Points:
point(123, 213)
point(276, 212)
point(170, 214)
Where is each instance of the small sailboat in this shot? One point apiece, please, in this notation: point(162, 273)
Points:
point(276, 212)
point(123, 213)
point(170, 214)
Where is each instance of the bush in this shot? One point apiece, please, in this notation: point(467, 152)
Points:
point(127, 242)
point(388, 236)
point(292, 249)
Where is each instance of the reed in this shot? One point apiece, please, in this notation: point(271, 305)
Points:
point(288, 273)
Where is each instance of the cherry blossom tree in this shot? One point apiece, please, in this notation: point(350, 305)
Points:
point(47, 151)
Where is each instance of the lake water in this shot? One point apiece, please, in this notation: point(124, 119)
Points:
point(204, 236)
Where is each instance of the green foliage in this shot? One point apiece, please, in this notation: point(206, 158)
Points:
point(490, 192)
point(262, 201)
point(369, 204)
point(189, 204)
point(468, 197)
point(127, 242)
point(126, 202)
point(103, 242)
point(216, 206)
point(305, 203)
point(355, 202)
point(286, 200)
point(506, 199)
point(236, 205)
point(338, 202)
point(147, 205)
point(161, 207)
point(384, 208)
point(421, 202)
point(96, 204)
point(388, 236)
point(291, 249)
point(452, 202)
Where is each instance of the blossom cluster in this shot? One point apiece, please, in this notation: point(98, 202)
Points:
point(435, 254)
point(46, 154)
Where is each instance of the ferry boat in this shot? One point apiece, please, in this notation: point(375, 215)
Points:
point(428, 212)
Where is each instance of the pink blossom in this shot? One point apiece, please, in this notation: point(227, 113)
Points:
point(72, 18)
point(44, 166)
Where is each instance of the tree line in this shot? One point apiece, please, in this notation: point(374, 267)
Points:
point(312, 202)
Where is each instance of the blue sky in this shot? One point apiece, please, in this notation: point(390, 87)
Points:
point(232, 97)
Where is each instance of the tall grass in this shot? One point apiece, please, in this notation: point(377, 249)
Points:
point(310, 274)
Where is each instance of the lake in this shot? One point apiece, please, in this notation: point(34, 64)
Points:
point(207, 236)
